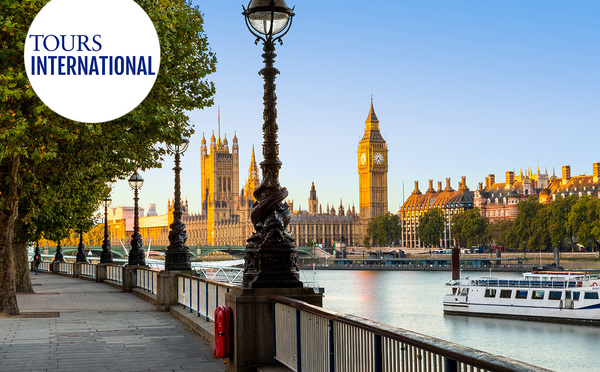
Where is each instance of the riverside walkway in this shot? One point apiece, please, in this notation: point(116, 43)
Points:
point(77, 325)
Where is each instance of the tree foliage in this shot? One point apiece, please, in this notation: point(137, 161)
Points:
point(56, 169)
point(384, 229)
point(584, 220)
point(523, 226)
point(468, 228)
point(497, 232)
point(431, 227)
point(557, 218)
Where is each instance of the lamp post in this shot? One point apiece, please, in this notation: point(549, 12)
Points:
point(58, 256)
point(106, 256)
point(136, 255)
point(81, 257)
point(270, 255)
point(178, 254)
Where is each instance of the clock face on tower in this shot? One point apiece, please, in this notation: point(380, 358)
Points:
point(378, 158)
point(363, 159)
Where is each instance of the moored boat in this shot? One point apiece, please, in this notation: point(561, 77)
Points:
point(561, 296)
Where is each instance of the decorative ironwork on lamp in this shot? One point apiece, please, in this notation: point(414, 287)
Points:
point(136, 255)
point(270, 256)
point(178, 255)
point(106, 256)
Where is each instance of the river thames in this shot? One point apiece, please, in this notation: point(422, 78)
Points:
point(413, 300)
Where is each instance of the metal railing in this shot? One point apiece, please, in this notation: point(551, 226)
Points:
point(146, 279)
point(310, 338)
point(88, 269)
point(201, 295)
point(114, 273)
point(64, 267)
point(231, 275)
point(44, 266)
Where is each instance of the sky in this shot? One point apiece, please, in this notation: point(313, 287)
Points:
point(460, 88)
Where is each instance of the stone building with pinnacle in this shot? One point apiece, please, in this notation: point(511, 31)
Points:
point(226, 209)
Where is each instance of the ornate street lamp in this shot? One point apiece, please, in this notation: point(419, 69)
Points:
point(270, 255)
point(136, 255)
point(81, 256)
point(58, 256)
point(178, 254)
point(106, 256)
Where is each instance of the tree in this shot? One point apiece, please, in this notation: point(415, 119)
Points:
point(540, 238)
point(468, 228)
point(384, 229)
point(431, 227)
point(558, 218)
point(522, 229)
point(497, 232)
point(584, 220)
point(59, 168)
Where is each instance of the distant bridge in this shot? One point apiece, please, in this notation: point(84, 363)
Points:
point(117, 250)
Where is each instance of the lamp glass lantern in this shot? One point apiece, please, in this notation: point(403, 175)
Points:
point(268, 17)
point(179, 149)
point(135, 181)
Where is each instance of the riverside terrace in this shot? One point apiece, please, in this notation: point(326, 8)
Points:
point(300, 336)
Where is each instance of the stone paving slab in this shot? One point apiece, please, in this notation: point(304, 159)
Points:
point(99, 328)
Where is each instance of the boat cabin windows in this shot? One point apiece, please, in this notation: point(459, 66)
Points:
point(521, 294)
point(555, 295)
point(490, 292)
point(590, 295)
point(537, 295)
point(506, 293)
point(463, 292)
point(575, 295)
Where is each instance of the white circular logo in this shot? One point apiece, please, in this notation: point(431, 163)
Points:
point(92, 60)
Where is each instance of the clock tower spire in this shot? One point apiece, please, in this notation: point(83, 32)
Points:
point(372, 170)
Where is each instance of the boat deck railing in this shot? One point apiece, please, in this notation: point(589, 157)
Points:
point(527, 283)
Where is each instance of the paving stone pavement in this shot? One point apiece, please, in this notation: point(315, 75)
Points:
point(99, 328)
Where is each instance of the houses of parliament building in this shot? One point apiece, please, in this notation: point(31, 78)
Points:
point(226, 209)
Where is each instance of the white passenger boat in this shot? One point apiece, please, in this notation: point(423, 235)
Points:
point(560, 296)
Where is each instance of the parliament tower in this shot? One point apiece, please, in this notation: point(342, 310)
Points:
point(220, 181)
point(372, 170)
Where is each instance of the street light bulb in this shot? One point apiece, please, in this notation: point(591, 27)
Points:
point(107, 201)
point(268, 17)
point(261, 22)
point(136, 181)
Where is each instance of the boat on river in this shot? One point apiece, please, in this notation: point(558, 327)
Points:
point(559, 296)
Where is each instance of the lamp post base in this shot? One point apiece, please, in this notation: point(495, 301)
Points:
point(271, 267)
point(177, 260)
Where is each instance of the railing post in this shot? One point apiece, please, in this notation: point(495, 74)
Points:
point(451, 365)
point(274, 333)
point(207, 318)
point(298, 341)
point(331, 347)
point(377, 351)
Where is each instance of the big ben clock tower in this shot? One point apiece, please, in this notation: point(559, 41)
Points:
point(372, 170)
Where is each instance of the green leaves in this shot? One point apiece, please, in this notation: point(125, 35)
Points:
point(431, 227)
point(385, 229)
point(468, 228)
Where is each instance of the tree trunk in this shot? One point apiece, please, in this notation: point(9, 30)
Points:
point(8, 214)
point(20, 262)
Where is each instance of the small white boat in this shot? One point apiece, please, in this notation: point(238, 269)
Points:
point(559, 296)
